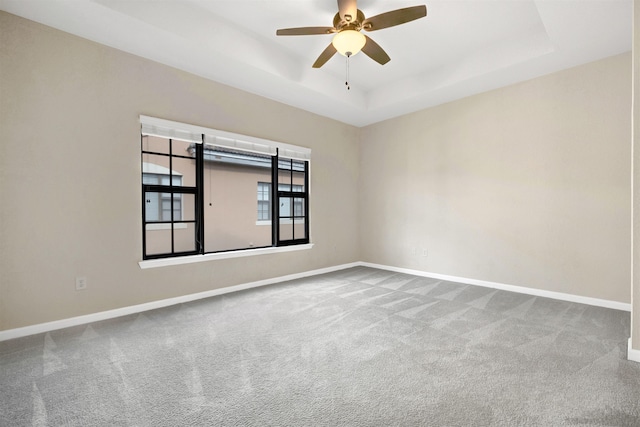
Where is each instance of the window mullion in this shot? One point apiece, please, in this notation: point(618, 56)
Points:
point(291, 202)
point(144, 204)
point(173, 246)
point(275, 212)
point(306, 201)
point(200, 196)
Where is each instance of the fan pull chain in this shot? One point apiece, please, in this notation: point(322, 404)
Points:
point(347, 82)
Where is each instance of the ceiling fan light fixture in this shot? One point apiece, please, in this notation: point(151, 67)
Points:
point(349, 42)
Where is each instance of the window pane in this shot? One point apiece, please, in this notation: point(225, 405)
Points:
point(298, 165)
point(291, 176)
point(231, 179)
point(155, 144)
point(177, 208)
point(298, 181)
point(184, 237)
point(156, 165)
point(299, 228)
point(284, 180)
point(166, 207)
point(187, 206)
point(182, 148)
point(286, 229)
point(264, 190)
point(150, 178)
point(152, 207)
point(184, 171)
point(285, 207)
point(298, 207)
point(158, 240)
point(264, 211)
point(264, 201)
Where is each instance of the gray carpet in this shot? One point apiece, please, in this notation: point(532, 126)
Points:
point(358, 347)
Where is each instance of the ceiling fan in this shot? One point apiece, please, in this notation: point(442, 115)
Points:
point(348, 23)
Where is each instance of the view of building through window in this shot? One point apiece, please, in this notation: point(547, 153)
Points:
point(264, 201)
point(200, 198)
point(230, 180)
point(158, 205)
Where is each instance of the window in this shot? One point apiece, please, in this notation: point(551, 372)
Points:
point(169, 198)
point(292, 201)
point(264, 201)
point(285, 204)
point(158, 205)
point(199, 191)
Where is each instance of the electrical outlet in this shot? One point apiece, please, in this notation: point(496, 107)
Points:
point(419, 251)
point(81, 283)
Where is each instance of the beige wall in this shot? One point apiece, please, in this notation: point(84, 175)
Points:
point(526, 185)
point(70, 175)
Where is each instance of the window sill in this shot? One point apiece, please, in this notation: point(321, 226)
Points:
point(164, 262)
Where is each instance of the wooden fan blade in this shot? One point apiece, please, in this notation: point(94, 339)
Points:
point(348, 7)
point(375, 52)
point(395, 17)
point(325, 56)
point(304, 31)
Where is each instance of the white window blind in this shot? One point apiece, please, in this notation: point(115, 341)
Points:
point(217, 138)
point(241, 143)
point(165, 129)
point(293, 152)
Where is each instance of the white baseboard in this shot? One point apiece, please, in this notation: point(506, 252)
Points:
point(110, 314)
point(139, 308)
point(633, 355)
point(511, 288)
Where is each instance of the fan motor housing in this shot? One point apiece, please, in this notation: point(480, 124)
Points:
point(340, 24)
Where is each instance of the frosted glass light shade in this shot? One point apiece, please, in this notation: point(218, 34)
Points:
point(349, 42)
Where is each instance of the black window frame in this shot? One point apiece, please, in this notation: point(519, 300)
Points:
point(198, 154)
point(277, 166)
point(172, 190)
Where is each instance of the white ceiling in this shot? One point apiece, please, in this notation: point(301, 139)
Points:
point(461, 48)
